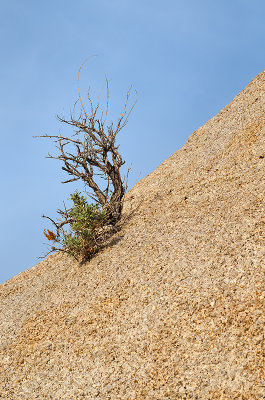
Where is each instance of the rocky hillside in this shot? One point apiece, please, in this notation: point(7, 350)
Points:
point(174, 307)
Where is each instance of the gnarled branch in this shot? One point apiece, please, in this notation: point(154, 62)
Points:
point(94, 151)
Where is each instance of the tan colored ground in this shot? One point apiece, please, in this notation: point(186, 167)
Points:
point(175, 307)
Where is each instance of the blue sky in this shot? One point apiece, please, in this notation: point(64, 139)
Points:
point(187, 60)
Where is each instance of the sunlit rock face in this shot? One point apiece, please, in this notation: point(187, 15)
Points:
point(173, 307)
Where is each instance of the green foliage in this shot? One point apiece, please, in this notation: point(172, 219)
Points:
point(85, 221)
point(85, 217)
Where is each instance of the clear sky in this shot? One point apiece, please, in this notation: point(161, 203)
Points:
point(187, 59)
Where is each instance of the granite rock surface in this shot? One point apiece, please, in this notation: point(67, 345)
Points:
point(174, 307)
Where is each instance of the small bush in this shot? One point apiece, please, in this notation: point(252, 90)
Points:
point(90, 152)
point(86, 232)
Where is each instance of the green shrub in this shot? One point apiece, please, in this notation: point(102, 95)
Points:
point(90, 152)
point(86, 222)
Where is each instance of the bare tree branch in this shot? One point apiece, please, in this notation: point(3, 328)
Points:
point(94, 151)
point(90, 152)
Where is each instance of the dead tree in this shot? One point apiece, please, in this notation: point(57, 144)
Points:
point(92, 151)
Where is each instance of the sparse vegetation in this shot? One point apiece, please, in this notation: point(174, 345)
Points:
point(85, 234)
point(90, 152)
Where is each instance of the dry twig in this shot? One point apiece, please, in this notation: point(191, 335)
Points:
point(94, 151)
point(90, 152)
